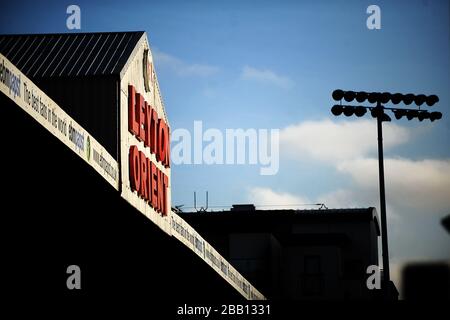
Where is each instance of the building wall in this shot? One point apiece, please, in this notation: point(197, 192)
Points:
point(300, 282)
point(273, 252)
point(133, 75)
point(350, 261)
point(276, 267)
point(250, 253)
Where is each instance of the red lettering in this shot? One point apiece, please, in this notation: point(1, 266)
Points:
point(144, 124)
point(154, 188)
point(148, 120)
point(160, 191)
point(143, 190)
point(161, 152)
point(167, 160)
point(148, 181)
point(134, 172)
point(133, 124)
point(153, 132)
point(140, 116)
point(165, 186)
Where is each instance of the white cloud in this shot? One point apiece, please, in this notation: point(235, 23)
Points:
point(417, 191)
point(266, 76)
point(278, 200)
point(351, 147)
point(182, 68)
point(266, 197)
point(331, 141)
point(341, 198)
point(423, 185)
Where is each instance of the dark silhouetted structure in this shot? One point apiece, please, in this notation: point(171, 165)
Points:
point(426, 281)
point(446, 223)
point(58, 211)
point(297, 254)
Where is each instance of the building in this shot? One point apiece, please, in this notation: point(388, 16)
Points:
point(297, 254)
point(87, 155)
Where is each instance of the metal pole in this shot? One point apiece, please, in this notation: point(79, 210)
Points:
point(384, 235)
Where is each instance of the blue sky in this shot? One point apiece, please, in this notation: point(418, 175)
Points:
point(298, 52)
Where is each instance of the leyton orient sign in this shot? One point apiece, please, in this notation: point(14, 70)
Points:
point(146, 179)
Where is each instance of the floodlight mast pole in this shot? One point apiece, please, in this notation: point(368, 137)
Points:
point(378, 112)
point(384, 233)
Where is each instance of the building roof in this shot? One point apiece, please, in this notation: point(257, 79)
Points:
point(249, 209)
point(69, 54)
point(252, 216)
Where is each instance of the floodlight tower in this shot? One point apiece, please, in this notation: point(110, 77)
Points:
point(378, 112)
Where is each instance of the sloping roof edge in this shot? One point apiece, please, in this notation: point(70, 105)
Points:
point(44, 55)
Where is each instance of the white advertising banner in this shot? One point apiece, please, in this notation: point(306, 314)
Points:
point(15, 85)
